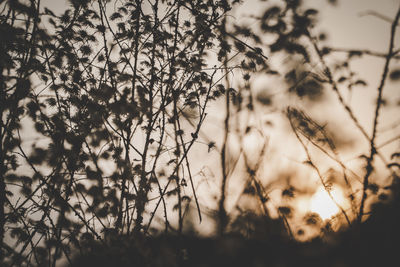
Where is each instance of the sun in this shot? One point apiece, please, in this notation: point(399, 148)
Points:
point(322, 204)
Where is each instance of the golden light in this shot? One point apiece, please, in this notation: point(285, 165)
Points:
point(322, 204)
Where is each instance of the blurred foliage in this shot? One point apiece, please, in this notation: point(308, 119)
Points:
point(114, 95)
point(371, 244)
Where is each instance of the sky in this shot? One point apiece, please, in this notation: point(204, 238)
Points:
point(348, 25)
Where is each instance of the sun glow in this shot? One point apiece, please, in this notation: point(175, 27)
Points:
point(322, 204)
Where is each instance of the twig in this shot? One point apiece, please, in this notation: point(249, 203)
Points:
point(373, 150)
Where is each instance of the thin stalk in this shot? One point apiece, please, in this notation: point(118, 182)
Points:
point(373, 150)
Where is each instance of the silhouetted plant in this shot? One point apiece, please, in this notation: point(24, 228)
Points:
point(116, 94)
point(288, 30)
point(102, 104)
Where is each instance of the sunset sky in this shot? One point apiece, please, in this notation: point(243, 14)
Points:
point(351, 24)
point(199, 132)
